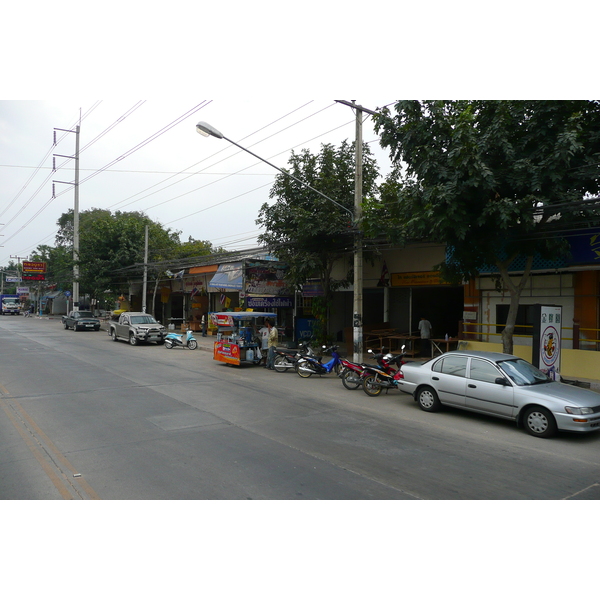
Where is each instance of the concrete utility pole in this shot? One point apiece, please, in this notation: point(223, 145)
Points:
point(145, 286)
point(357, 307)
point(357, 317)
point(75, 211)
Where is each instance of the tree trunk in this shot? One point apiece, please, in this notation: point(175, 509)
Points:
point(515, 297)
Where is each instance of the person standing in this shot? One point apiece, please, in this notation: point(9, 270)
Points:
point(425, 331)
point(272, 344)
point(263, 334)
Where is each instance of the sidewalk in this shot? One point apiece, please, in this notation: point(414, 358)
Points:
point(207, 344)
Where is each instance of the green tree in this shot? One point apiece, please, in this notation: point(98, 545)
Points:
point(305, 230)
point(108, 243)
point(492, 179)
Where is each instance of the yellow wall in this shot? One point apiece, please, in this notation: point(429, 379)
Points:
point(575, 364)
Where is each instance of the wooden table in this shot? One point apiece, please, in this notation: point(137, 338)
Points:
point(399, 338)
point(378, 334)
point(436, 342)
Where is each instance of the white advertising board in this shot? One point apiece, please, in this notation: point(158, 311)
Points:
point(550, 340)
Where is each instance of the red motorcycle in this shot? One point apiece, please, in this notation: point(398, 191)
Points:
point(353, 374)
point(384, 376)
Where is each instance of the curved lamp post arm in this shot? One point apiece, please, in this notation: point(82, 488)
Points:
point(208, 130)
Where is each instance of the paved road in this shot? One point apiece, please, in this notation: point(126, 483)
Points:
point(85, 417)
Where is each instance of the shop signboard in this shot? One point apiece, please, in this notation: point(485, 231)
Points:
point(547, 338)
point(269, 303)
point(13, 280)
point(33, 267)
point(417, 278)
point(37, 277)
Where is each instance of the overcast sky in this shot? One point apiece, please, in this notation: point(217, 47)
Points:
point(147, 156)
point(264, 60)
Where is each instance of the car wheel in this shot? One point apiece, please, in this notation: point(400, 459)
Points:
point(428, 399)
point(539, 422)
point(66, 326)
point(74, 326)
point(133, 340)
point(113, 334)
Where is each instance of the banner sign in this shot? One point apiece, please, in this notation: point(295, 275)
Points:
point(22, 290)
point(269, 303)
point(266, 281)
point(221, 320)
point(33, 267)
point(227, 352)
point(13, 280)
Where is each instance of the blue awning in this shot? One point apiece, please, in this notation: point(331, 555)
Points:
point(228, 277)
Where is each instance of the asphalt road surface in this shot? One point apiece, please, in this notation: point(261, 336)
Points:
point(84, 417)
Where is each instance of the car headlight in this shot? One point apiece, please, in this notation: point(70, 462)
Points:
point(576, 410)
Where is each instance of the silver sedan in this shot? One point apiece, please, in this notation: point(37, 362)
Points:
point(504, 386)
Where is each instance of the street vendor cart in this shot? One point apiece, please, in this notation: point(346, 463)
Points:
point(237, 340)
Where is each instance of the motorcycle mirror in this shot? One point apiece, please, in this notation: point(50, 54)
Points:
point(403, 346)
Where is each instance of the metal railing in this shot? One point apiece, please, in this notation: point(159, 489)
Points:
point(488, 332)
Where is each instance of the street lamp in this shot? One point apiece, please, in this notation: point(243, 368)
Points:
point(208, 130)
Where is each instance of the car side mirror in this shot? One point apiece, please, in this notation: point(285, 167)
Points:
point(501, 381)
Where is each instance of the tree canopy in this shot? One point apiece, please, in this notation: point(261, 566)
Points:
point(305, 230)
point(492, 179)
point(109, 242)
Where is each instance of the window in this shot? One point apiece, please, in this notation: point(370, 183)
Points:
point(452, 365)
point(481, 370)
point(524, 322)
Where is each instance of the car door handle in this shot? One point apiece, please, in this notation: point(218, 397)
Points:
point(435, 378)
point(472, 386)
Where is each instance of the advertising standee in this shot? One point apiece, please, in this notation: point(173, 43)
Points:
point(547, 339)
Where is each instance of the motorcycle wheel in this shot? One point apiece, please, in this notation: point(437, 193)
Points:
point(168, 344)
point(303, 370)
point(370, 386)
point(278, 364)
point(351, 380)
point(193, 344)
point(338, 368)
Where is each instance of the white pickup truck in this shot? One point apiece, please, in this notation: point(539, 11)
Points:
point(137, 327)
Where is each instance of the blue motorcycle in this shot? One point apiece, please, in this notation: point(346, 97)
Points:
point(311, 365)
point(176, 339)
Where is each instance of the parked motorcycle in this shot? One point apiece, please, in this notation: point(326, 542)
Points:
point(311, 365)
point(383, 376)
point(173, 340)
point(353, 374)
point(286, 359)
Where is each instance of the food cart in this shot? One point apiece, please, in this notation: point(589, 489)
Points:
point(237, 341)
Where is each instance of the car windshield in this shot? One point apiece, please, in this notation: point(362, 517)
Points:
point(523, 373)
point(85, 314)
point(143, 320)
